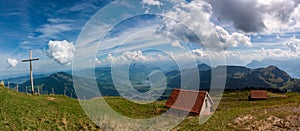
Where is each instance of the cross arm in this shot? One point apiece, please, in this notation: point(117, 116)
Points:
point(25, 60)
point(30, 60)
point(35, 59)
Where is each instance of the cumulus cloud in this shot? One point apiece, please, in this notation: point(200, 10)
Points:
point(195, 18)
point(246, 56)
point(192, 18)
point(243, 13)
point(152, 2)
point(276, 13)
point(199, 53)
point(232, 56)
point(271, 16)
point(270, 53)
point(295, 17)
point(242, 57)
point(293, 44)
point(177, 44)
point(12, 62)
point(279, 53)
point(233, 39)
point(135, 55)
point(61, 51)
point(128, 56)
point(139, 56)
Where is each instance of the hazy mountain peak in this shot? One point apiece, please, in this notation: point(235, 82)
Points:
point(290, 65)
point(203, 67)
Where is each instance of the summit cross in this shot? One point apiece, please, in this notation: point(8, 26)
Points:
point(31, 77)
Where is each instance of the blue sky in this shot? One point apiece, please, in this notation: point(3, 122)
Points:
point(30, 24)
point(27, 24)
point(247, 30)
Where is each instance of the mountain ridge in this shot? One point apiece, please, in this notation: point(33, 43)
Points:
point(238, 78)
point(289, 66)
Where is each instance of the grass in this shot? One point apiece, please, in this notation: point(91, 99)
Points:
point(25, 112)
point(234, 104)
point(134, 110)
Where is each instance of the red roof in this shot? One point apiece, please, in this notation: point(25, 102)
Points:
point(258, 94)
point(186, 100)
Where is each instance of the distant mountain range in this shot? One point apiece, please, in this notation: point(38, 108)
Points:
point(238, 78)
point(22, 79)
point(57, 83)
point(290, 66)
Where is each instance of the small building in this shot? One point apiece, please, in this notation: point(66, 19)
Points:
point(195, 102)
point(258, 95)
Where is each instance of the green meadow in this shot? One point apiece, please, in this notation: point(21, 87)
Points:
point(26, 112)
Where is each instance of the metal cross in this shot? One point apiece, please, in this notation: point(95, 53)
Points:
point(30, 61)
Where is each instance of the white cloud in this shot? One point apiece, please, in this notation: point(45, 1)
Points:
point(109, 57)
point(279, 53)
point(128, 56)
point(97, 61)
point(177, 44)
point(138, 39)
point(293, 44)
point(295, 17)
point(135, 55)
point(277, 14)
point(232, 40)
point(258, 16)
point(269, 53)
point(61, 51)
point(51, 30)
point(54, 27)
point(199, 53)
point(197, 15)
point(58, 20)
point(241, 57)
point(237, 57)
point(152, 2)
point(12, 62)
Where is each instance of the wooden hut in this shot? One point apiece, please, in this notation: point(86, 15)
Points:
point(196, 102)
point(258, 95)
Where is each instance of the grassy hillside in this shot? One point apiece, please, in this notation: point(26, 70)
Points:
point(26, 112)
point(235, 112)
point(293, 86)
